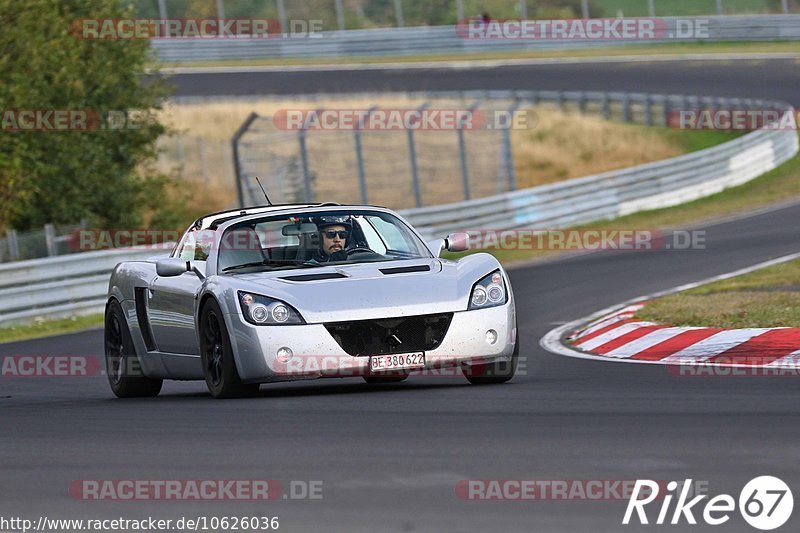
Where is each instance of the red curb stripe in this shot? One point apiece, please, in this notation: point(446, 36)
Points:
point(625, 339)
point(602, 330)
point(675, 344)
point(761, 349)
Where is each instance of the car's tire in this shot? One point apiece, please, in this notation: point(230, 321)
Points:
point(122, 364)
point(375, 380)
point(216, 355)
point(493, 373)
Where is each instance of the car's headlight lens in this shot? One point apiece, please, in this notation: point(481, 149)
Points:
point(264, 311)
point(488, 292)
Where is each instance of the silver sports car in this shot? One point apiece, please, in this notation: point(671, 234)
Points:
point(288, 292)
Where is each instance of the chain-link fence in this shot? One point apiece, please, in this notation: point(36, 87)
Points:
point(50, 241)
point(360, 14)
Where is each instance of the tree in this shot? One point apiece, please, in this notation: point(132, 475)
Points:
point(48, 64)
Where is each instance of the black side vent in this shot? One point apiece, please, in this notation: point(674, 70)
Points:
point(140, 297)
point(405, 270)
point(314, 277)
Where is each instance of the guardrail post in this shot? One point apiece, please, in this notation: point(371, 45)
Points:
point(648, 110)
point(626, 107)
point(523, 9)
point(582, 102)
point(13, 244)
point(459, 10)
point(237, 165)
point(606, 106)
point(50, 240)
point(560, 101)
point(301, 138)
point(412, 156)
point(508, 154)
point(362, 179)
point(462, 152)
point(585, 8)
point(651, 8)
point(667, 110)
point(785, 6)
point(719, 7)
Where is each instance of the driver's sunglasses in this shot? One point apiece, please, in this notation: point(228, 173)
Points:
point(332, 234)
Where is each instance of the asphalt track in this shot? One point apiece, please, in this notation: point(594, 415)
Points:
point(746, 78)
point(390, 456)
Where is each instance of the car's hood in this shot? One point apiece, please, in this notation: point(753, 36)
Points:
point(372, 290)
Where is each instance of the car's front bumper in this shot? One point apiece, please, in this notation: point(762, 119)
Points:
point(316, 353)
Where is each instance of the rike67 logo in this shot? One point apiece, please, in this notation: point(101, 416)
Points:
point(765, 503)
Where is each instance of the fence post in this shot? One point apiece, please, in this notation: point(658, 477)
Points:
point(459, 11)
point(648, 109)
point(462, 152)
point(13, 244)
point(237, 165)
point(50, 240)
point(412, 156)
point(362, 178)
point(339, 15)
point(508, 154)
point(785, 6)
point(651, 8)
point(626, 107)
point(523, 9)
point(585, 8)
point(398, 13)
point(282, 17)
point(301, 138)
point(719, 7)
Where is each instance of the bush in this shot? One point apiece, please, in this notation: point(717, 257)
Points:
point(64, 176)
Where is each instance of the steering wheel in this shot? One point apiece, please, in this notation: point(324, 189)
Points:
point(359, 249)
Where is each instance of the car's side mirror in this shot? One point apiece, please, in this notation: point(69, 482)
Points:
point(171, 267)
point(457, 242)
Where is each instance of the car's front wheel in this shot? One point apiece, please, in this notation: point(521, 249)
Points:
point(493, 373)
point(122, 364)
point(216, 354)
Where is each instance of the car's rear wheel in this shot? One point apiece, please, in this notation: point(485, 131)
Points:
point(122, 364)
point(216, 355)
point(493, 373)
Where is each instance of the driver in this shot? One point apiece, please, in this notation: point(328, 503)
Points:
point(334, 233)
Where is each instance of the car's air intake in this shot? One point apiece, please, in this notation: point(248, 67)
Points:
point(391, 335)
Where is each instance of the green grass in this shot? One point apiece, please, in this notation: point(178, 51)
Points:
point(46, 328)
point(623, 50)
point(664, 8)
point(766, 298)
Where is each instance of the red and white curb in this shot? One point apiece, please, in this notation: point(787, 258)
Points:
point(613, 335)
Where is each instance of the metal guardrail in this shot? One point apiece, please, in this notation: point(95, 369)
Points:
point(61, 286)
point(77, 284)
point(424, 40)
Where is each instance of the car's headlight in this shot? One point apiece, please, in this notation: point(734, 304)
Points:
point(488, 292)
point(263, 311)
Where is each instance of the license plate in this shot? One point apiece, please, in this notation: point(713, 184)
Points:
point(398, 361)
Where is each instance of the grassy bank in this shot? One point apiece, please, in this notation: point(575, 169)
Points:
point(769, 297)
point(46, 328)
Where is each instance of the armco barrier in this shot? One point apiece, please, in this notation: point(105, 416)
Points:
point(446, 39)
point(60, 286)
point(77, 284)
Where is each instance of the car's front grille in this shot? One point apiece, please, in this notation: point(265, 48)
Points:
point(391, 335)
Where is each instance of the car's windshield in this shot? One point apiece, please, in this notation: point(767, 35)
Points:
point(308, 240)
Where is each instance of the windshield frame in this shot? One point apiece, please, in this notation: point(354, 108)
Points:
point(322, 210)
